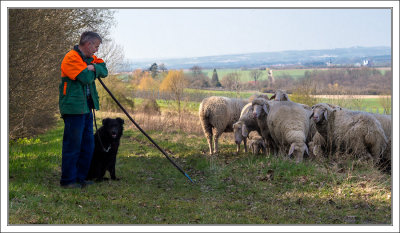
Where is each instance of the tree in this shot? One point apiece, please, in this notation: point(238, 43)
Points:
point(147, 83)
point(232, 81)
point(154, 70)
point(38, 41)
point(255, 74)
point(162, 68)
point(214, 80)
point(112, 54)
point(196, 71)
point(174, 83)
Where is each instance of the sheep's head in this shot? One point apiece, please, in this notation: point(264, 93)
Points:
point(280, 95)
point(240, 131)
point(259, 106)
point(320, 113)
point(297, 150)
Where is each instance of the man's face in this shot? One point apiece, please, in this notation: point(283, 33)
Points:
point(92, 47)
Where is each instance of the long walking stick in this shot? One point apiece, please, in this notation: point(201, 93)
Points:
point(141, 130)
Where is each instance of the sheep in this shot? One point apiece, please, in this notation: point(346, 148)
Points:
point(246, 124)
point(352, 132)
point(257, 144)
point(280, 95)
point(219, 113)
point(289, 126)
point(261, 117)
point(386, 123)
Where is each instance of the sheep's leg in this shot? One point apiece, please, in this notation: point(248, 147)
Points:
point(207, 128)
point(245, 144)
point(237, 149)
point(216, 137)
point(210, 144)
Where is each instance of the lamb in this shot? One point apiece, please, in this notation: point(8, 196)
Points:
point(351, 132)
point(287, 123)
point(257, 144)
point(219, 113)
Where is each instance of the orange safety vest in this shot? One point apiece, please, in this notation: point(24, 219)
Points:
point(73, 64)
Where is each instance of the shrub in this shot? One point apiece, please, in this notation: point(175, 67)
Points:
point(120, 91)
point(150, 106)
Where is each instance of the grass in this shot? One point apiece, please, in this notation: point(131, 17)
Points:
point(373, 105)
point(229, 189)
point(245, 74)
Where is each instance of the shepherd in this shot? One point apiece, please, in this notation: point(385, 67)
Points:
point(77, 97)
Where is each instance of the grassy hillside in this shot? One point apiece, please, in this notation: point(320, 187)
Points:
point(229, 189)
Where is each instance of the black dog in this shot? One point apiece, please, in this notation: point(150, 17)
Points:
point(106, 141)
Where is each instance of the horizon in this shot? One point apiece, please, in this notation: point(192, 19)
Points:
point(182, 33)
point(233, 54)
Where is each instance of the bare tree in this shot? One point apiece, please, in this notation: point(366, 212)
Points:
point(232, 82)
point(112, 54)
point(38, 40)
point(256, 75)
point(196, 71)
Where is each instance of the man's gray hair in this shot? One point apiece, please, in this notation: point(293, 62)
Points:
point(89, 36)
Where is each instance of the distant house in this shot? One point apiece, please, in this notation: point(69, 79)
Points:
point(365, 62)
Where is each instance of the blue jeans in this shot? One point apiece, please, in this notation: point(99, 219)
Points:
point(78, 147)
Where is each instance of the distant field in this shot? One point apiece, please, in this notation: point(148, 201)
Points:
point(245, 74)
point(193, 97)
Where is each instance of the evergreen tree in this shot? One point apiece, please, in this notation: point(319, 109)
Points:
point(214, 80)
point(154, 70)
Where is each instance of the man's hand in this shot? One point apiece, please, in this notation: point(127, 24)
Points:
point(91, 68)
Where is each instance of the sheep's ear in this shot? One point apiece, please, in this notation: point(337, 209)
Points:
point(273, 97)
point(266, 108)
point(286, 97)
point(291, 150)
point(245, 132)
point(326, 115)
point(312, 114)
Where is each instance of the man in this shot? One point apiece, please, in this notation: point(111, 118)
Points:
point(78, 96)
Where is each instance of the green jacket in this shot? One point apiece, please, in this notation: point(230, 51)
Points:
point(75, 77)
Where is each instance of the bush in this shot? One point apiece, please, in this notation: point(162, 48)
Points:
point(120, 91)
point(150, 106)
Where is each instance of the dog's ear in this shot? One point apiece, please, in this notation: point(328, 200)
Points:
point(120, 121)
point(105, 121)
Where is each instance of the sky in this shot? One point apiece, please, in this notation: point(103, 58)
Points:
point(179, 33)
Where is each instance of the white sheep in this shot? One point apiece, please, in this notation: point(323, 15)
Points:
point(351, 132)
point(219, 113)
point(287, 123)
